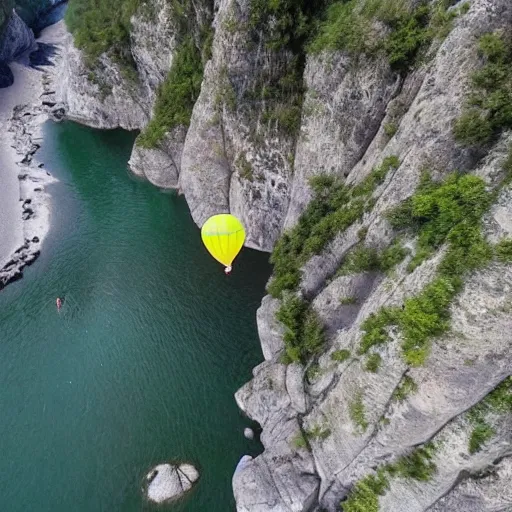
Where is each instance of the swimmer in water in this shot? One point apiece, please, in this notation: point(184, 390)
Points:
point(59, 303)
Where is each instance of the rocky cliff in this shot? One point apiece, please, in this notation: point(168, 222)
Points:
point(380, 146)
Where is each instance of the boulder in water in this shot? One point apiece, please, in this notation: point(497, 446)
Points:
point(167, 482)
point(249, 433)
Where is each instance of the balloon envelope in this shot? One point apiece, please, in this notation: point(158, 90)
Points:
point(224, 236)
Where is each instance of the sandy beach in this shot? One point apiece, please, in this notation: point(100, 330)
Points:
point(24, 205)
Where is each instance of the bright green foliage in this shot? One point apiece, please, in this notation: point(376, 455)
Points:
point(447, 212)
point(340, 355)
point(489, 108)
point(407, 387)
point(176, 96)
point(424, 317)
point(349, 27)
point(364, 497)
point(357, 413)
point(417, 465)
point(299, 441)
point(375, 328)
point(392, 256)
point(497, 401)
point(390, 129)
point(304, 336)
point(334, 208)
point(360, 259)
point(373, 363)
point(100, 26)
point(347, 301)
point(366, 259)
point(481, 433)
point(503, 250)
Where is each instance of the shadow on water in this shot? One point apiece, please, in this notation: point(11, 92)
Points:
point(141, 365)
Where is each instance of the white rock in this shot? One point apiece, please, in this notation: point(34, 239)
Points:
point(167, 482)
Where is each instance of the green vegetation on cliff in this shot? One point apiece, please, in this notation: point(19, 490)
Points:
point(498, 401)
point(489, 107)
point(100, 26)
point(304, 336)
point(176, 96)
point(450, 213)
point(403, 32)
point(364, 496)
point(333, 209)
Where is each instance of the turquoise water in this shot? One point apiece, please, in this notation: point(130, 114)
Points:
point(141, 364)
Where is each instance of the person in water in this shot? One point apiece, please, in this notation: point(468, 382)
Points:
point(59, 302)
point(228, 270)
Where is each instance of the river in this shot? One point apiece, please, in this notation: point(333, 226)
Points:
point(141, 364)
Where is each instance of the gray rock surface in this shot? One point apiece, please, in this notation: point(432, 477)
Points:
point(166, 482)
point(15, 39)
point(101, 99)
point(464, 365)
point(233, 160)
point(160, 165)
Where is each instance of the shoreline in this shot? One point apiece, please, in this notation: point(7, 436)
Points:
point(26, 206)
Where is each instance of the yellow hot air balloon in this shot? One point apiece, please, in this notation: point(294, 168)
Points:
point(224, 236)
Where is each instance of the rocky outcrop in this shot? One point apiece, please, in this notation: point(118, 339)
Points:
point(166, 482)
point(102, 97)
point(343, 133)
point(15, 39)
point(160, 165)
point(235, 160)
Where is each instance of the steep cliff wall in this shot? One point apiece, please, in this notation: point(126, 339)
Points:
point(387, 331)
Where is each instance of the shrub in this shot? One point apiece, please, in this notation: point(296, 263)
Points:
point(373, 363)
point(347, 301)
point(304, 336)
point(299, 441)
point(333, 209)
point(360, 259)
point(350, 26)
point(392, 256)
point(176, 96)
point(417, 465)
point(489, 107)
point(504, 250)
point(357, 413)
point(100, 26)
point(447, 212)
point(340, 355)
point(390, 129)
point(497, 401)
point(480, 434)
point(407, 387)
point(364, 497)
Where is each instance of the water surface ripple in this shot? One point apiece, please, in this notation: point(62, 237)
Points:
point(142, 362)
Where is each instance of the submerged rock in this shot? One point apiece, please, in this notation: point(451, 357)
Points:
point(167, 482)
point(249, 433)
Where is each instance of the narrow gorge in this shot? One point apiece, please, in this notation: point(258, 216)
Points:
point(367, 145)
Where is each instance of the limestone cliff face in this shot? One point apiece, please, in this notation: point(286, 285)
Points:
point(234, 160)
point(343, 133)
point(239, 155)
